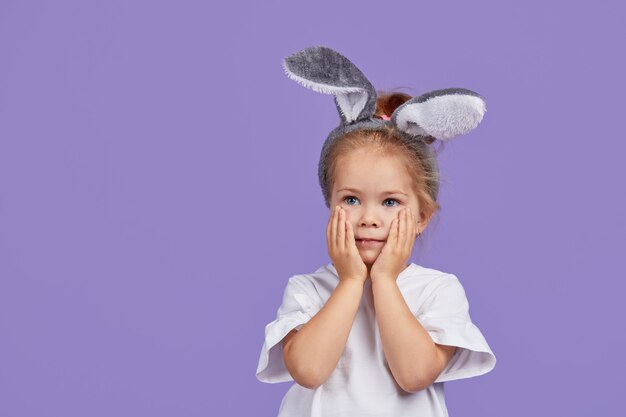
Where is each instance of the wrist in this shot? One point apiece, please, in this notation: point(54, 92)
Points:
point(384, 281)
point(351, 282)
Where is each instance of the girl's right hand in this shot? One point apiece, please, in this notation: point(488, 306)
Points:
point(342, 247)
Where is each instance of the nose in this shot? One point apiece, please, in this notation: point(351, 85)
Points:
point(369, 217)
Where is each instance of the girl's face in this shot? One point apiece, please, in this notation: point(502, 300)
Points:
point(372, 189)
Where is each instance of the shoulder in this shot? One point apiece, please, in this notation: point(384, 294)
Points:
point(312, 278)
point(312, 282)
point(428, 278)
point(305, 292)
point(424, 283)
point(447, 283)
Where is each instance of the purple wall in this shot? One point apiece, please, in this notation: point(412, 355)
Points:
point(158, 185)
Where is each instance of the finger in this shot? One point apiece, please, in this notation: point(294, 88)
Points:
point(328, 225)
point(415, 228)
point(411, 230)
point(411, 235)
point(333, 229)
point(393, 233)
point(397, 232)
point(341, 230)
point(400, 228)
point(410, 227)
point(350, 236)
point(404, 228)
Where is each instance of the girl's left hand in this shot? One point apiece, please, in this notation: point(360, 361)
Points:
point(397, 250)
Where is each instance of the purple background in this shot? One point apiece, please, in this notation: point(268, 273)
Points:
point(158, 186)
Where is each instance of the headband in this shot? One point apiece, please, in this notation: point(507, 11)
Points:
point(439, 114)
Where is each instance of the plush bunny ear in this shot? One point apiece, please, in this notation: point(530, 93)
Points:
point(442, 114)
point(326, 71)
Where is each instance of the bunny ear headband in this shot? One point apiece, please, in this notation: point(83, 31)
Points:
point(440, 114)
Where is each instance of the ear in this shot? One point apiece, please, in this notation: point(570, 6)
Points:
point(422, 223)
point(326, 71)
point(442, 114)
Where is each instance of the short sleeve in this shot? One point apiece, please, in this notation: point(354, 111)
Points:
point(446, 318)
point(300, 303)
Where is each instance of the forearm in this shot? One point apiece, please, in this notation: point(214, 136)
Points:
point(316, 348)
point(409, 349)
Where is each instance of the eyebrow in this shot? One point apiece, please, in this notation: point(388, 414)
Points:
point(353, 190)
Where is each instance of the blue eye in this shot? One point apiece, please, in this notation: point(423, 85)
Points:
point(392, 199)
point(353, 197)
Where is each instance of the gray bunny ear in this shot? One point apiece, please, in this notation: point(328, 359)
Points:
point(326, 71)
point(442, 114)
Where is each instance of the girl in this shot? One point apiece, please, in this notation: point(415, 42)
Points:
point(370, 334)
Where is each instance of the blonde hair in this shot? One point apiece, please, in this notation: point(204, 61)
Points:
point(416, 153)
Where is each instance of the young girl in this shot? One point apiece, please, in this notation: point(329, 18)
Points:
point(370, 334)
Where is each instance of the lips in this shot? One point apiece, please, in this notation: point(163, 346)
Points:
point(369, 243)
point(369, 240)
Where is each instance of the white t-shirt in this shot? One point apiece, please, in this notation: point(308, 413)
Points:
point(362, 384)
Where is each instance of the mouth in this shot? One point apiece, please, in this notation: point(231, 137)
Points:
point(369, 242)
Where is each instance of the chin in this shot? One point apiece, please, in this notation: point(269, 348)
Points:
point(368, 258)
